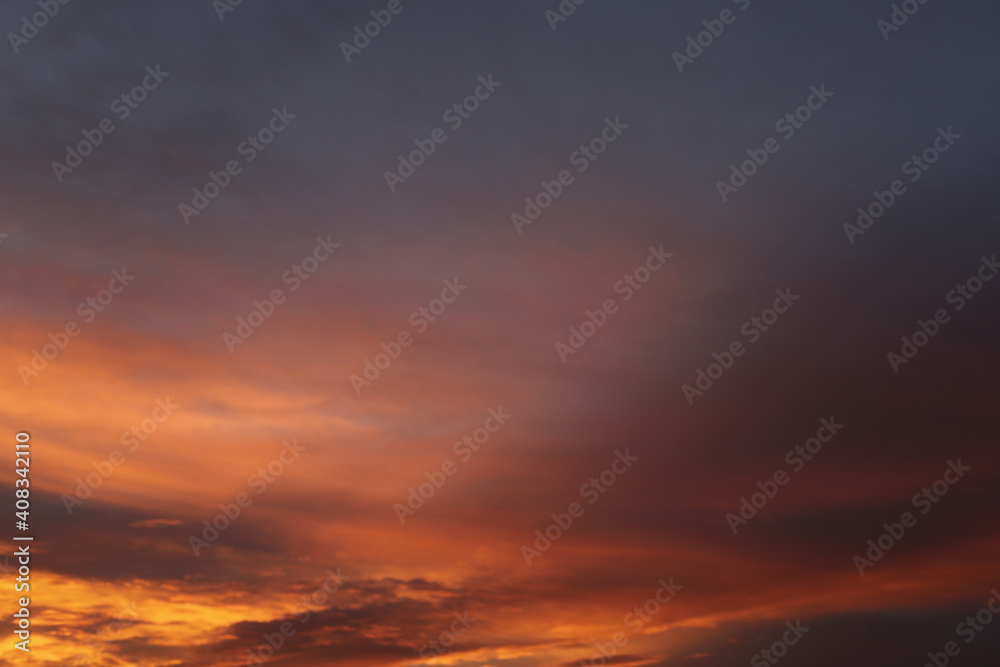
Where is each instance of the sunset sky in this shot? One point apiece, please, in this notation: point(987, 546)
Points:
point(557, 316)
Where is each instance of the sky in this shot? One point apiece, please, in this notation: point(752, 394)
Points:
point(522, 334)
